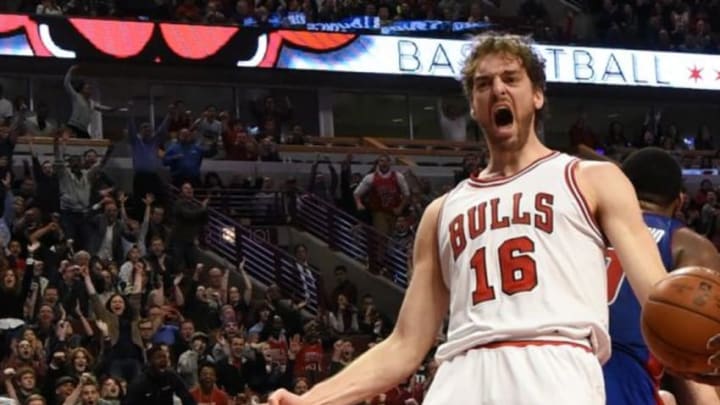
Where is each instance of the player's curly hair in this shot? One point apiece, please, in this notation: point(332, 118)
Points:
point(515, 45)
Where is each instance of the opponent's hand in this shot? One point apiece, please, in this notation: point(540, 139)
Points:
point(284, 397)
point(710, 378)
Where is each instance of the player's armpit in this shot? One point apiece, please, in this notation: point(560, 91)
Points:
point(612, 198)
point(693, 249)
point(393, 360)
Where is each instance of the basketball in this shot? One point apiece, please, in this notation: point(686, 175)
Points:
point(682, 313)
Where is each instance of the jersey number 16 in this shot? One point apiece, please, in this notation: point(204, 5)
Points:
point(517, 269)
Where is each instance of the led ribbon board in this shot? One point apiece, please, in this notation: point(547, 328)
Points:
point(140, 42)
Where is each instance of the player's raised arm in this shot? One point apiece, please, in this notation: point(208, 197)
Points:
point(613, 199)
point(390, 362)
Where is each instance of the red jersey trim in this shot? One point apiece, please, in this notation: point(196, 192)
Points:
point(526, 343)
point(571, 182)
point(498, 181)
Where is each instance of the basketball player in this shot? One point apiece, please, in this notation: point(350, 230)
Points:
point(632, 375)
point(517, 256)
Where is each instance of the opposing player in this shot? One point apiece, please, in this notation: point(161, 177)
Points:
point(632, 375)
point(517, 256)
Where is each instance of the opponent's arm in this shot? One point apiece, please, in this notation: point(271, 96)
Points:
point(392, 361)
point(612, 198)
point(693, 249)
point(691, 393)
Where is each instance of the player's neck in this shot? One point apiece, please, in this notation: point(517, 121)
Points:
point(508, 162)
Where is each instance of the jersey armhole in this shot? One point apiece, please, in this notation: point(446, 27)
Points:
point(581, 201)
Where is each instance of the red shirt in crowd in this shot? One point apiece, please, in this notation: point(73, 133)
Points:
point(216, 397)
point(386, 194)
point(309, 361)
point(278, 348)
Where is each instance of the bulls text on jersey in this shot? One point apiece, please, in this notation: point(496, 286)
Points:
point(487, 216)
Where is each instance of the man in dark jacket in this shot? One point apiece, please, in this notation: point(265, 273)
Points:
point(190, 218)
point(158, 384)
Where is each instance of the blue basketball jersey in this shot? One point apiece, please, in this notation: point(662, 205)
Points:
point(632, 375)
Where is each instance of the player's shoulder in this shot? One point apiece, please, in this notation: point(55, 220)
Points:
point(685, 236)
point(594, 169)
point(693, 249)
point(597, 178)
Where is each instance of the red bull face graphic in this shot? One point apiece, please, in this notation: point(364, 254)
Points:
point(150, 42)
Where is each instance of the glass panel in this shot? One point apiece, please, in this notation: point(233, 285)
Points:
point(361, 114)
point(631, 114)
point(12, 89)
point(195, 98)
point(303, 103)
point(426, 119)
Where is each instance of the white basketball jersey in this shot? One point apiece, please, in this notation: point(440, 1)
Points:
point(523, 260)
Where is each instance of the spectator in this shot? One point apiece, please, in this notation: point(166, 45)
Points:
point(40, 124)
point(146, 145)
point(580, 133)
point(388, 194)
point(237, 143)
point(74, 184)
point(6, 108)
point(268, 151)
point(271, 116)
point(297, 136)
point(48, 7)
point(111, 391)
point(121, 316)
point(305, 273)
point(179, 117)
point(158, 384)
point(213, 13)
point(344, 319)
point(319, 185)
point(342, 355)
point(189, 362)
point(207, 393)
point(105, 234)
point(189, 219)
point(208, 130)
point(83, 106)
point(403, 235)
point(157, 226)
point(344, 286)
point(188, 11)
point(185, 159)
point(470, 168)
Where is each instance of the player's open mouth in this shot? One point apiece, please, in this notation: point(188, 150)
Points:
point(502, 117)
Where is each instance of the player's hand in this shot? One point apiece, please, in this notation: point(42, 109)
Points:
point(284, 397)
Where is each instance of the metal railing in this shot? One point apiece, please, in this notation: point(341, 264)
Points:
point(345, 233)
point(256, 207)
point(264, 262)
